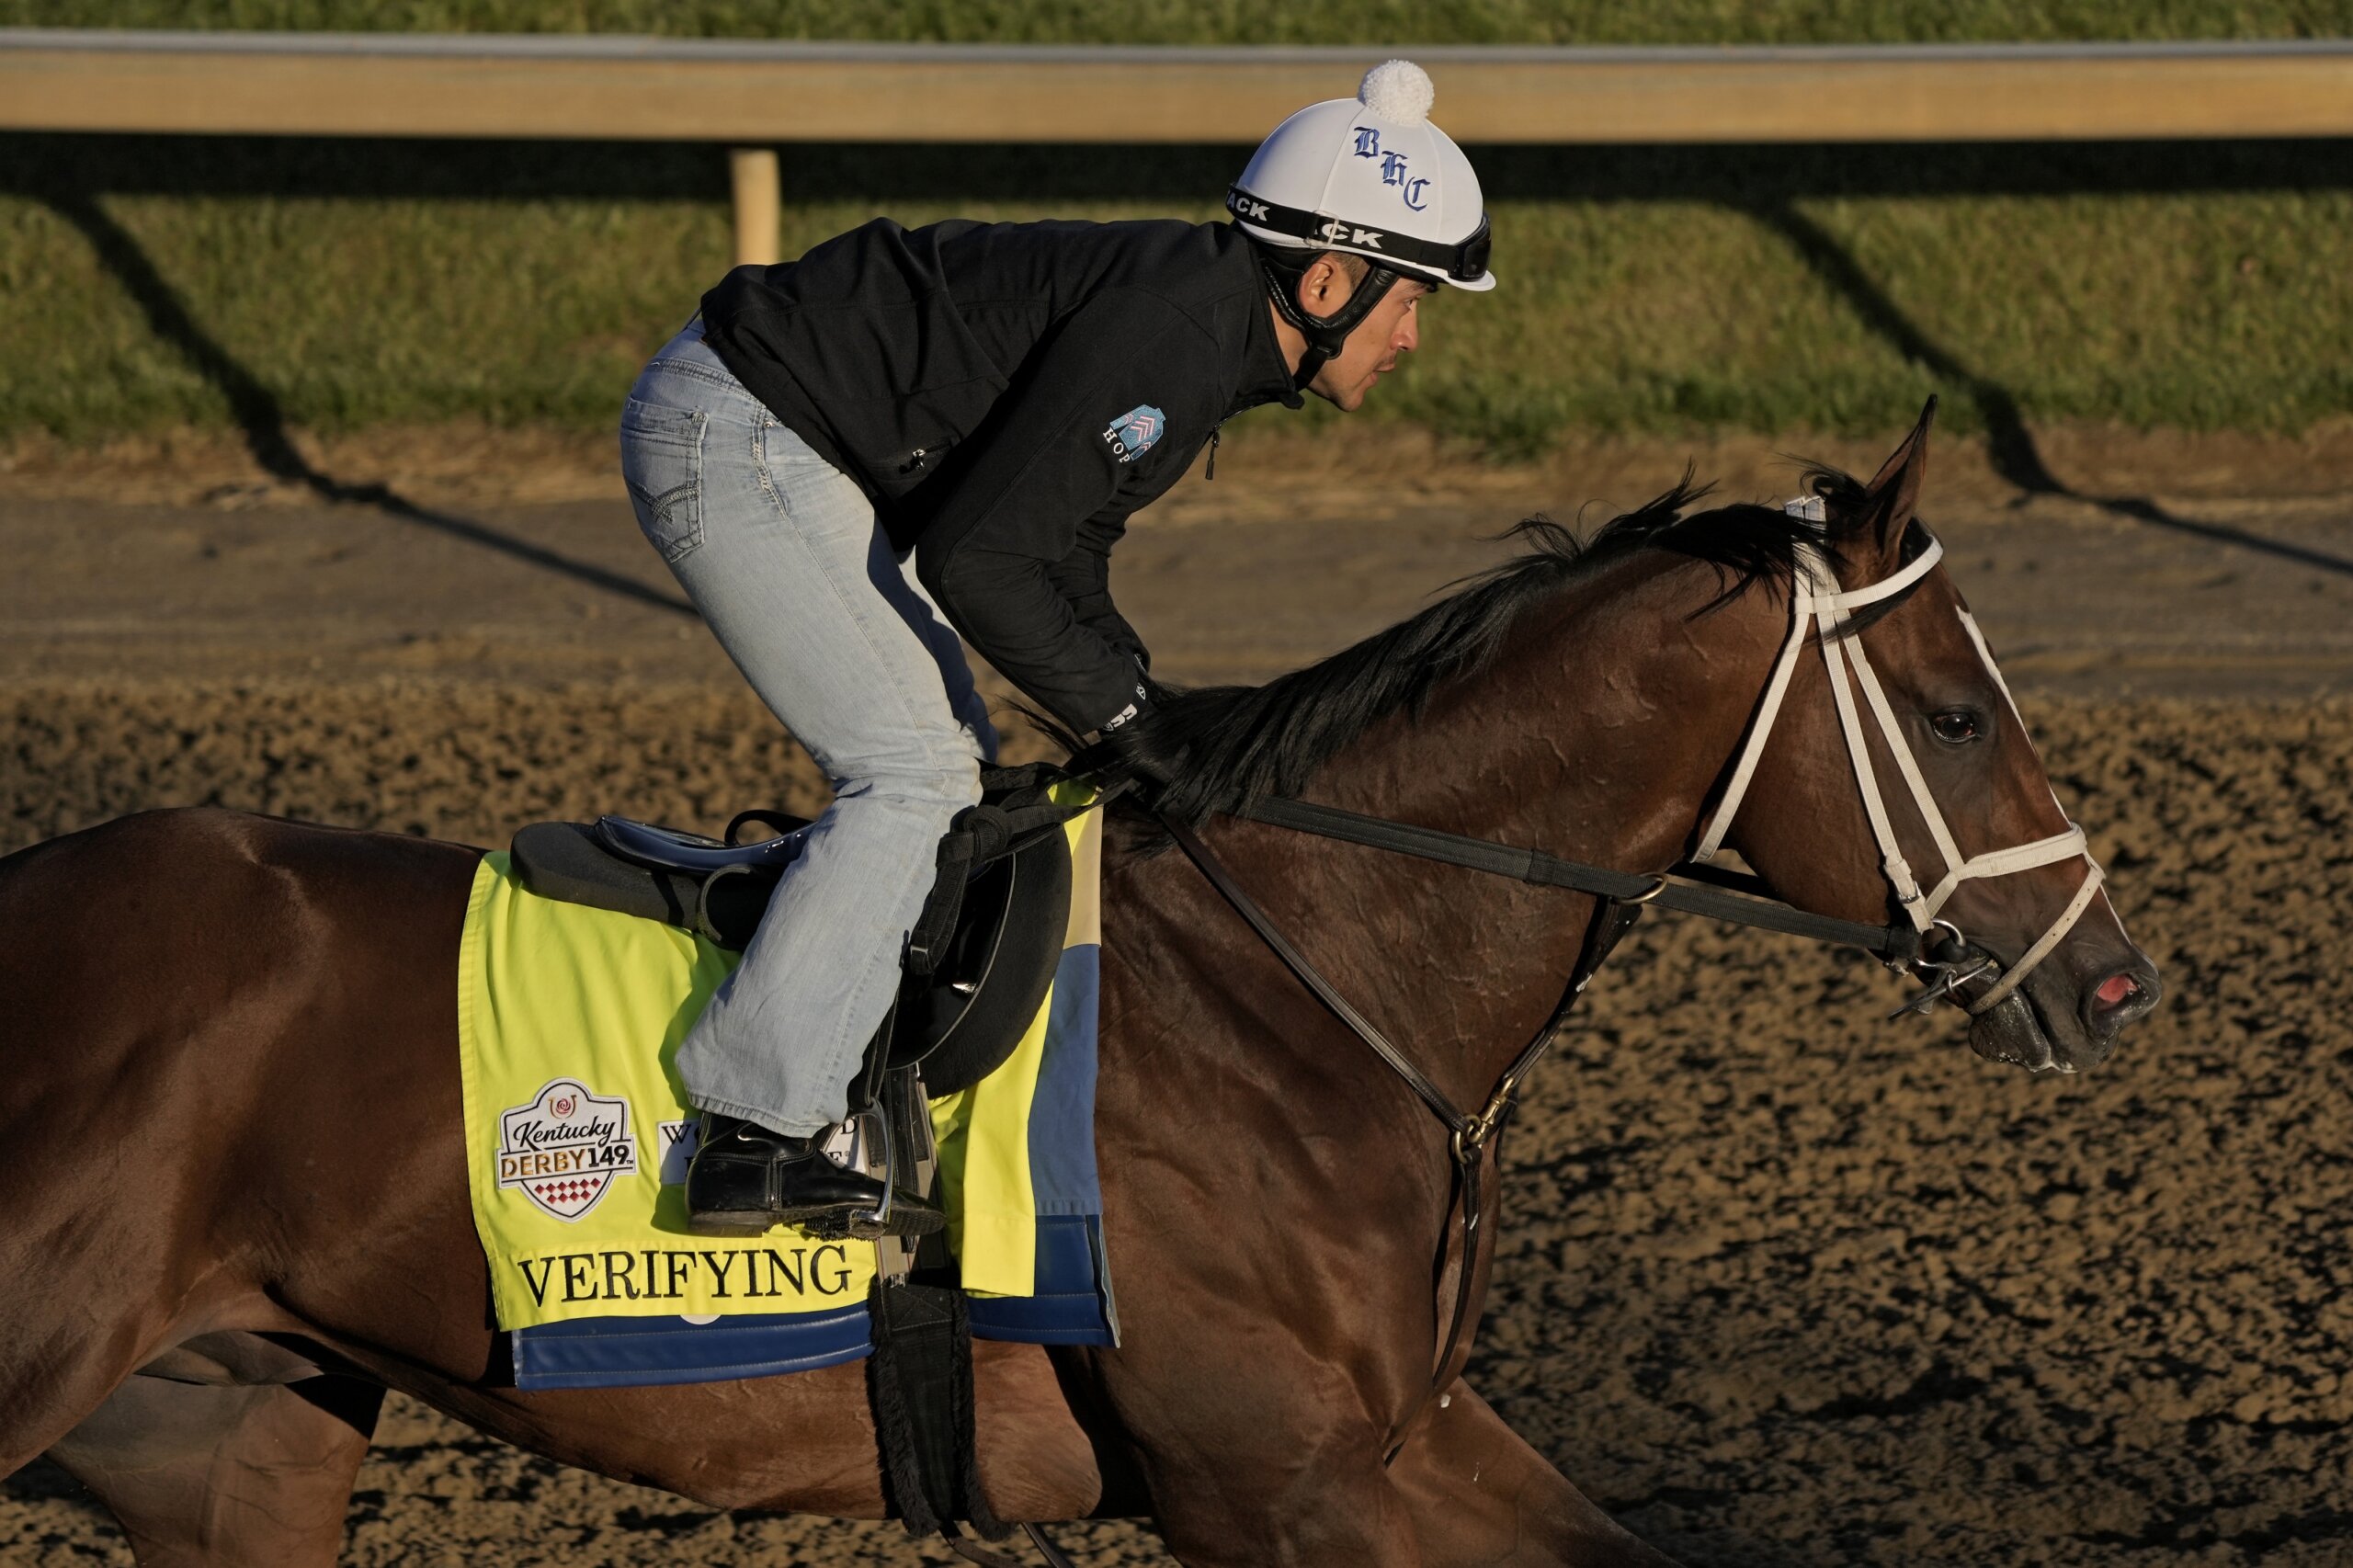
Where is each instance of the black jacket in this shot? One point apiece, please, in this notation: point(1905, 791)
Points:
point(1007, 394)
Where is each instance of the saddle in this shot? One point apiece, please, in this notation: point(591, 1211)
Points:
point(976, 967)
point(975, 971)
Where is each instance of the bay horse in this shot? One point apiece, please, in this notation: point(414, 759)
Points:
point(235, 1190)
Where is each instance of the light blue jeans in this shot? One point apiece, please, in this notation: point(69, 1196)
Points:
point(783, 556)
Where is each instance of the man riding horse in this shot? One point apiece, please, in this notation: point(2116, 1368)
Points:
point(987, 403)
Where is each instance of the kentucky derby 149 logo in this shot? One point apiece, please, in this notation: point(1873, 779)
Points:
point(565, 1148)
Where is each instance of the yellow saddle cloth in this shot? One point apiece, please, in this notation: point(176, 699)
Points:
point(569, 1020)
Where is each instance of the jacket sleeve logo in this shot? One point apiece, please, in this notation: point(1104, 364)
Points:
point(1131, 434)
point(565, 1148)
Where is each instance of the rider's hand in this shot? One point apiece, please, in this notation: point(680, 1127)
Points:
point(1127, 750)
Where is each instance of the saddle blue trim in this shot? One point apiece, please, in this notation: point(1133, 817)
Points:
point(599, 1353)
point(1073, 1305)
point(671, 849)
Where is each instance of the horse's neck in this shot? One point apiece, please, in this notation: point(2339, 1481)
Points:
point(1594, 735)
point(1596, 732)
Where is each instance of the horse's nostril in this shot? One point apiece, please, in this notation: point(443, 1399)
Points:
point(2130, 993)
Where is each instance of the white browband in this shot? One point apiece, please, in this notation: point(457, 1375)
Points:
point(1815, 595)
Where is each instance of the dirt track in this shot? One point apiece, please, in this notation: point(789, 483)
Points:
point(1782, 1283)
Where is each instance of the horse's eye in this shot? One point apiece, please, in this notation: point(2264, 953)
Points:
point(1955, 726)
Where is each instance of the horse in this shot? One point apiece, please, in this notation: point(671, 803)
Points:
point(236, 1184)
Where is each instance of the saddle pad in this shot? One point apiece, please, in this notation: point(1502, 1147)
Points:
point(569, 1022)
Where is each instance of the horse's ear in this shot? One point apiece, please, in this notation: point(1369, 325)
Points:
point(1894, 490)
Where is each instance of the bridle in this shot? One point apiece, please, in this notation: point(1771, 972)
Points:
point(1950, 962)
point(1814, 597)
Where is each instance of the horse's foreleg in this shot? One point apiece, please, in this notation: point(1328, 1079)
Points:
point(203, 1477)
point(1479, 1494)
point(1256, 1460)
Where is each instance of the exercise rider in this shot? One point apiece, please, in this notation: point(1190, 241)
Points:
point(993, 400)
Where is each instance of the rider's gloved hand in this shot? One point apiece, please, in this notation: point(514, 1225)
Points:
point(1128, 747)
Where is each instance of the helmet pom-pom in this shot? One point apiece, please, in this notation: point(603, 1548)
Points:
point(1398, 92)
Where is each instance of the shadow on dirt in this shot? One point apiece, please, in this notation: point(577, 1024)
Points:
point(44, 1482)
point(259, 414)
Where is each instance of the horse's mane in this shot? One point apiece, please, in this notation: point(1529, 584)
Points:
point(1220, 747)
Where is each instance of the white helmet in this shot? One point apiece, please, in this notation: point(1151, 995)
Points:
point(1372, 176)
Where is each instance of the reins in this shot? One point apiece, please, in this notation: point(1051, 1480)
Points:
point(1469, 1135)
point(1707, 890)
point(1692, 887)
point(1622, 895)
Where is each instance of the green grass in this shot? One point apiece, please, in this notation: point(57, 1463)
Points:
point(1660, 291)
point(1233, 21)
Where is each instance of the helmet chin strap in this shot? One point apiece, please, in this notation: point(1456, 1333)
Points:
point(1325, 335)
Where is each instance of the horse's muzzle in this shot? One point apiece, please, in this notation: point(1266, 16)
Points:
point(2012, 1034)
point(2022, 1030)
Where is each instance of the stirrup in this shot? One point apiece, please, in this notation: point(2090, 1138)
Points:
point(873, 1224)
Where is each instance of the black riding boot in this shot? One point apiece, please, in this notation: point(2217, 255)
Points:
point(745, 1178)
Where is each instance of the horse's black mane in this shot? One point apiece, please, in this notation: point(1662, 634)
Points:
point(1221, 748)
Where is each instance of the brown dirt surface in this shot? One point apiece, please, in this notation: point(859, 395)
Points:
point(2191, 565)
point(1781, 1283)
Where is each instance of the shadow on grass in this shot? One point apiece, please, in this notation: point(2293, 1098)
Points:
point(1764, 182)
point(2012, 446)
point(258, 413)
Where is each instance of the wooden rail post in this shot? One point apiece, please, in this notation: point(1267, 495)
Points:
point(759, 204)
point(749, 94)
